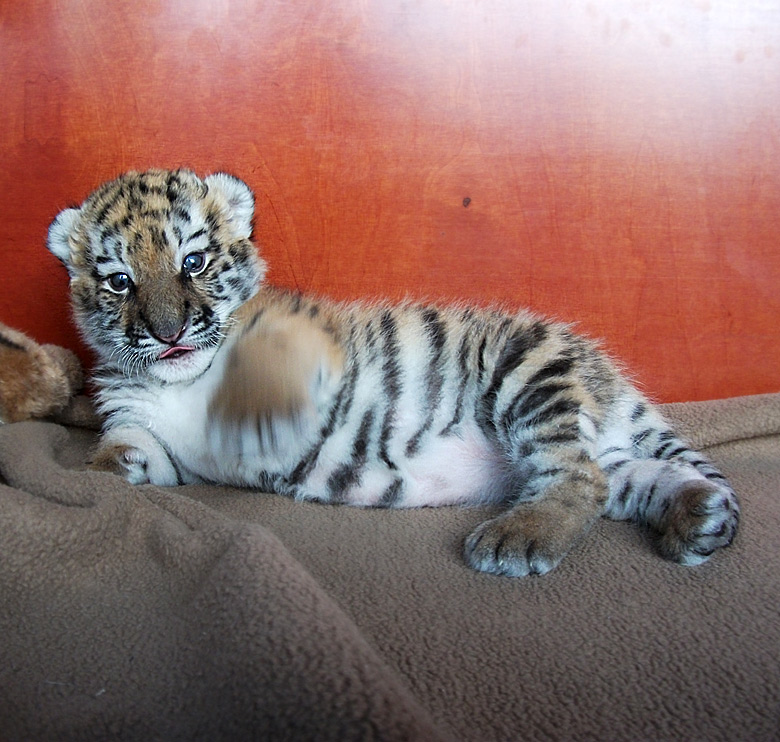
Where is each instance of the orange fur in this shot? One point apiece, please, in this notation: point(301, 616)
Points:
point(272, 368)
point(35, 380)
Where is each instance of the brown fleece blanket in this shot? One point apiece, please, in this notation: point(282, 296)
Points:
point(212, 613)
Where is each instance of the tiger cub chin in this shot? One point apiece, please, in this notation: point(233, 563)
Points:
point(208, 375)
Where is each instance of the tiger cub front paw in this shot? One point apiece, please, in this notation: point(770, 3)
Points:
point(135, 464)
point(509, 546)
point(125, 461)
point(279, 376)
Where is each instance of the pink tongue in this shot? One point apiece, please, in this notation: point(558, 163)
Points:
point(176, 351)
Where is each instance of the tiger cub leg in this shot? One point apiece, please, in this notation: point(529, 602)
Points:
point(564, 492)
point(687, 505)
point(657, 480)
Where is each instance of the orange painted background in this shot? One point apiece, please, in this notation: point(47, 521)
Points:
point(613, 163)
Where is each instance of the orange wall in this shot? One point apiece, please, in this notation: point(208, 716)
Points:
point(622, 159)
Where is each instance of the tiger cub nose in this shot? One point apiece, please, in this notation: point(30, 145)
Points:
point(170, 339)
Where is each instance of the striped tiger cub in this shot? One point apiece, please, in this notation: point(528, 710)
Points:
point(207, 374)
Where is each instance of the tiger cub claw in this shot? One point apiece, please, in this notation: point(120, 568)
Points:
point(501, 547)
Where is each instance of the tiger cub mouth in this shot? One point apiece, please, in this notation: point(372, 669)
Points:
point(177, 351)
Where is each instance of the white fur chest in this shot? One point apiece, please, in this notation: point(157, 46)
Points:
point(178, 418)
point(181, 417)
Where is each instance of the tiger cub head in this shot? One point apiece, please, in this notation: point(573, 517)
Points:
point(158, 263)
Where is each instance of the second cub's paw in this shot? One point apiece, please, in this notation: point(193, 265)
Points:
point(512, 545)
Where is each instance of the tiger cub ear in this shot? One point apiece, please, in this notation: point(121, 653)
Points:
point(238, 201)
point(60, 232)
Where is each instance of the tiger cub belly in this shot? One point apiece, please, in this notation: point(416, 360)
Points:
point(452, 470)
point(448, 470)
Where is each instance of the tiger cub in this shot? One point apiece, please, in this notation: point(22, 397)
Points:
point(207, 374)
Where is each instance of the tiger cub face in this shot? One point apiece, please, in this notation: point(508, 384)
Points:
point(158, 262)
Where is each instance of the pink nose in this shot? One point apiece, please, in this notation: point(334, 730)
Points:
point(172, 338)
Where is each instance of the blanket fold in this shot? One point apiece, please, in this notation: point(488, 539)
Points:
point(203, 612)
point(708, 424)
point(135, 613)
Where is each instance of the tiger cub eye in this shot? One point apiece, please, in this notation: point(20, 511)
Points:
point(194, 263)
point(119, 282)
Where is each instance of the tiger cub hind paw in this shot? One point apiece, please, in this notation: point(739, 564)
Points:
point(702, 518)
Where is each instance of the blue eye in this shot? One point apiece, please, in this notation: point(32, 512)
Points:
point(119, 282)
point(194, 263)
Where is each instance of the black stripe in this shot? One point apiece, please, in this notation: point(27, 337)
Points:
point(659, 452)
point(638, 411)
point(615, 465)
point(173, 187)
point(306, 464)
point(103, 212)
point(413, 444)
point(481, 358)
point(195, 235)
point(180, 213)
point(349, 474)
point(549, 472)
point(559, 367)
point(108, 233)
point(529, 400)
point(10, 343)
point(613, 449)
point(663, 452)
point(169, 454)
point(308, 461)
point(272, 482)
point(625, 492)
point(435, 332)
point(348, 397)
point(392, 494)
point(557, 409)
point(676, 452)
point(252, 322)
point(463, 371)
point(512, 355)
point(371, 341)
point(567, 434)
point(212, 220)
point(435, 329)
point(157, 237)
point(391, 370)
point(641, 509)
point(637, 438)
